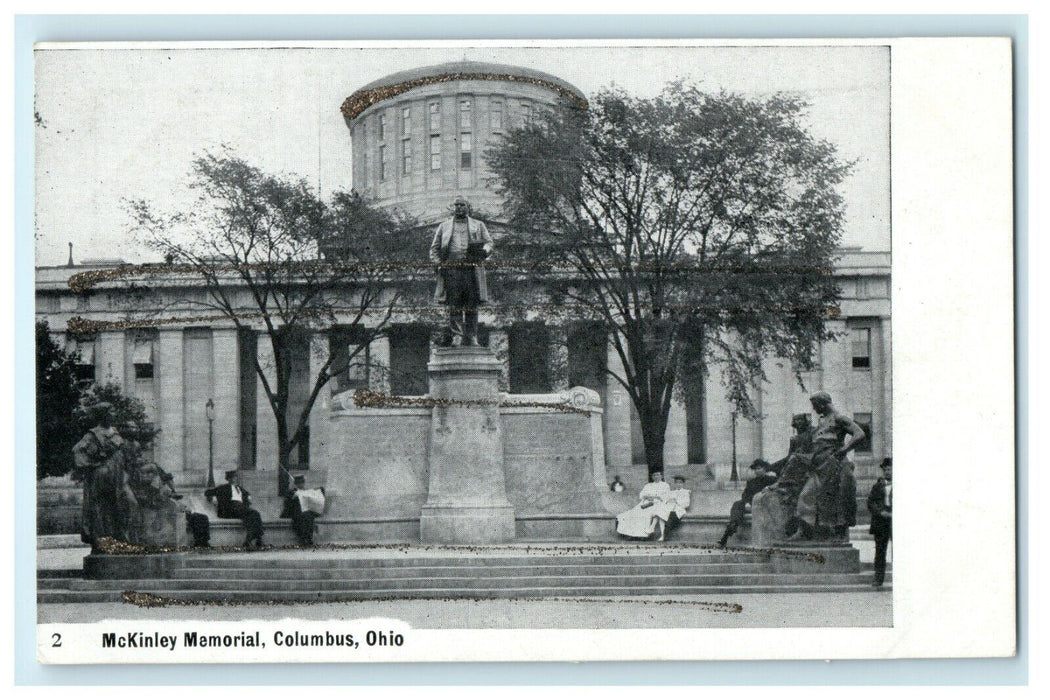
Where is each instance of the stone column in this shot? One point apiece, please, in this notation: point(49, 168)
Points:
point(885, 432)
point(719, 415)
point(109, 357)
point(266, 456)
point(676, 448)
point(379, 365)
point(617, 415)
point(170, 452)
point(499, 344)
point(319, 422)
point(778, 401)
point(226, 394)
point(836, 364)
point(558, 358)
point(467, 495)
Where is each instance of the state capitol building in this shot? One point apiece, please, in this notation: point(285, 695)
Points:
point(418, 140)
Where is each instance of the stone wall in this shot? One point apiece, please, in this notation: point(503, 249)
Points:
point(376, 458)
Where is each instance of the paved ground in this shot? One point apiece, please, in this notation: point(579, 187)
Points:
point(772, 610)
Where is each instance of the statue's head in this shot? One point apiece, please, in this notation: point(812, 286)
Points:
point(821, 402)
point(801, 422)
point(461, 207)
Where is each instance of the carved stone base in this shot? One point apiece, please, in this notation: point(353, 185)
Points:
point(467, 493)
point(769, 519)
point(158, 527)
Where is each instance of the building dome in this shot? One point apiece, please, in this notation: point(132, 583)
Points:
point(419, 136)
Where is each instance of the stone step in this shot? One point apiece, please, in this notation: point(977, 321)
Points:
point(466, 582)
point(508, 571)
point(611, 580)
point(261, 560)
point(856, 585)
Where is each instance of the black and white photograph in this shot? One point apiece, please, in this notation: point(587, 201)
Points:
point(339, 344)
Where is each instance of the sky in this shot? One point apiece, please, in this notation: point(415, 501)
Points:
point(122, 123)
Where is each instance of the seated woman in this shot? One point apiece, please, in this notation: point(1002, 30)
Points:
point(657, 510)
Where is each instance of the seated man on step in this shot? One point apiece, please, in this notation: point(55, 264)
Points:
point(761, 477)
point(303, 506)
point(235, 502)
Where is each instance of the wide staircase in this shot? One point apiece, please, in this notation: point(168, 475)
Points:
point(522, 570)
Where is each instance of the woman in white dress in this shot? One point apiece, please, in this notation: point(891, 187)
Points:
point(654, 509)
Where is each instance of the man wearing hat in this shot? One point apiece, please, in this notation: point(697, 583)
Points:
point(761, 477)
point(235, 502)
point(460, 247)
point(880, 504)
point(303, 506)
point(823, 501)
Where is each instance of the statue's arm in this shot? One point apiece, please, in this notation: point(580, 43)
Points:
point(435, 246)
point(486, 238)
point(856, 434)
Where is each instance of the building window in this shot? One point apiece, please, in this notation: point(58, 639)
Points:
point(435, 116)
point(464, 151)
point(382, 127)
point(406, 156)
point(496, 117)
point(85, 365)
point(382, 162)
point(406, 121)
point(464, 114)
point(526, 114)
point(349, 369)
point(864, 421)
point(365, 169)
point(142, 358)
point(860, 339)
point(435, 152)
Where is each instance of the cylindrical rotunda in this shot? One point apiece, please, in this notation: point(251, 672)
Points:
point(419, 136)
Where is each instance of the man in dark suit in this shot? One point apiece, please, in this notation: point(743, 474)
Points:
point(303, 506)
point(880, 504)
point(761, 477)
point(234, 502)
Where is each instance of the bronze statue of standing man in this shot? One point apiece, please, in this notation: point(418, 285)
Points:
point(460, 247)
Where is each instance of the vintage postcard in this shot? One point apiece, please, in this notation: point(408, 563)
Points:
point(467, 351)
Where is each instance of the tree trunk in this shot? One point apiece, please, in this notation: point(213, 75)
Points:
point(284, 451)
point(654, 432)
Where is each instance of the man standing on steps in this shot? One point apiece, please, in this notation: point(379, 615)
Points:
point(761, 477)
point(880, 504)
point(460, 247)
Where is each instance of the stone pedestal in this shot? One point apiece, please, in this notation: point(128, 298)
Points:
point(467, 495)
point(769, 519)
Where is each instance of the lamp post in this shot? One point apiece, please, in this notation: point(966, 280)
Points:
point(732, 473)
point(209, 411)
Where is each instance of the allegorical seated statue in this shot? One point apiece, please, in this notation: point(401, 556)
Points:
point(101, 466)
point(460, 247)
point(124, 498)
point(793, 470)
